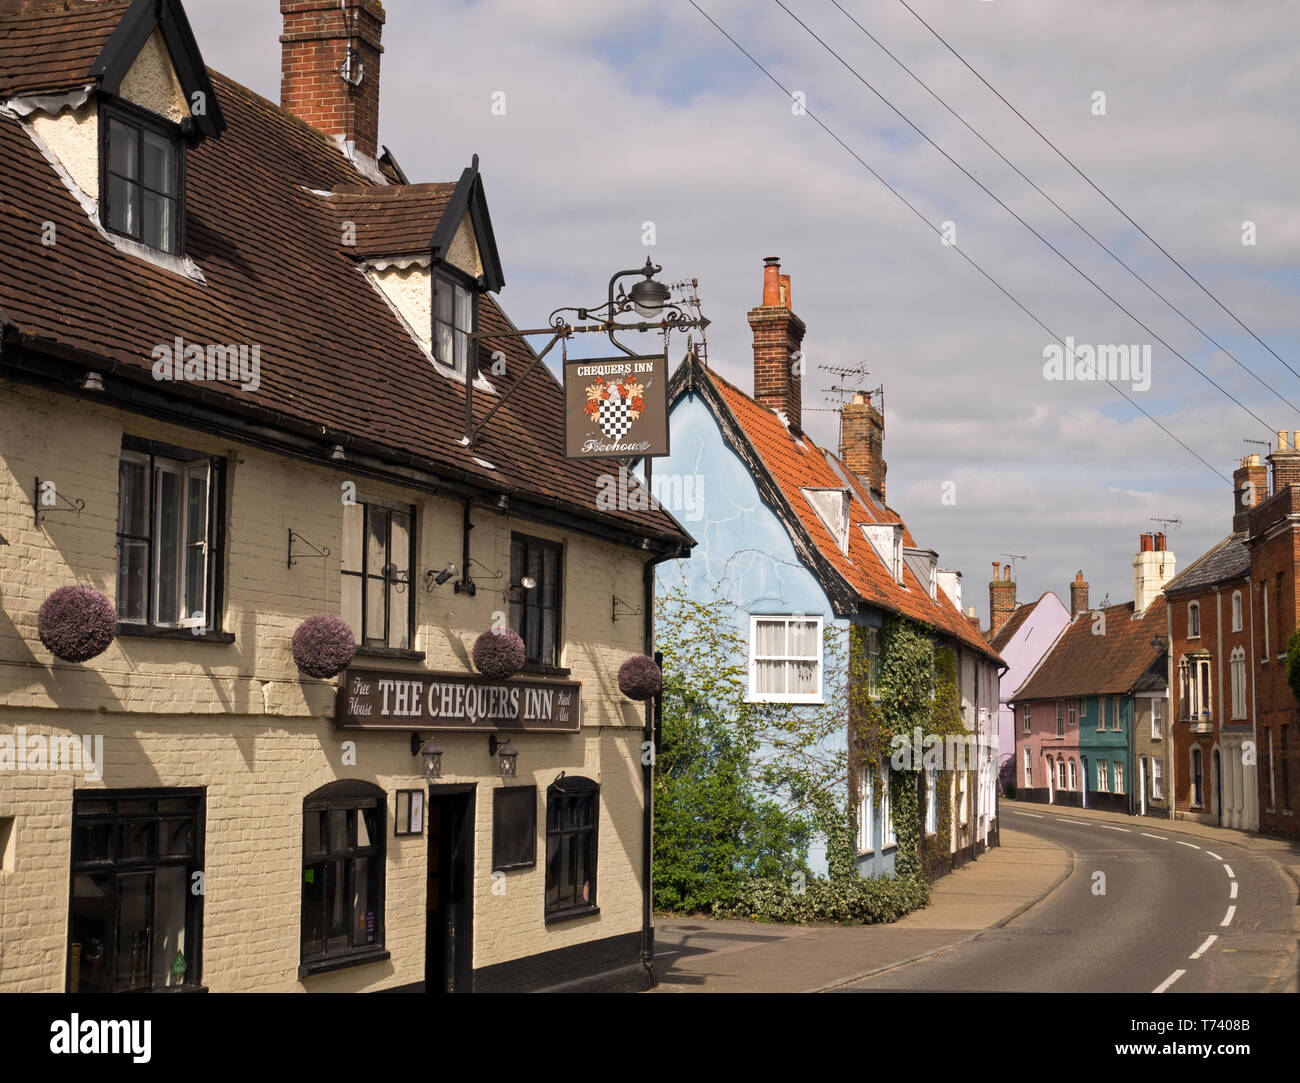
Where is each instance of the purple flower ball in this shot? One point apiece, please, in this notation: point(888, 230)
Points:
point(499, 654)
point(76, 623)
point(323, 646)
point(639, 677)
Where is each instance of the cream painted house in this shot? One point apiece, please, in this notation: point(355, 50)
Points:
point(222, 820)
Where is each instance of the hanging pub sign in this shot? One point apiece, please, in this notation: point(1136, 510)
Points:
point(616, 407)
point(385, 699)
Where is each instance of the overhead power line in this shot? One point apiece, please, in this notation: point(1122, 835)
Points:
point(1062, 155)
point(931, 226)
point(1087, 232)
point(996, 199)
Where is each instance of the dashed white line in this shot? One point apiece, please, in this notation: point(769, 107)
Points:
point(1081, 823)
point(1214, 855)
point(1232, 889)
point(1227, 918)
point(1169, 981)
point(1228, 869)
point(1204, 947)
point(1109, 828)
point(1191, 844)
point(1148, 834)
point(1031, 815)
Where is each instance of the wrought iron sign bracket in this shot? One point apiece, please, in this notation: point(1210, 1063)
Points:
point(295, 536)
point(628, 610)
point(40, 508)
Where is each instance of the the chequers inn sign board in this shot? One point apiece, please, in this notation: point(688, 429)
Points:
point(616, 407)
point(383, 699)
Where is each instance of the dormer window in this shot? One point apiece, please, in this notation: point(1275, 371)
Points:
point(144, 166)
point(453, 321)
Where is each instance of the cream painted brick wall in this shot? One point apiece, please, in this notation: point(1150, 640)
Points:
point(241, 721)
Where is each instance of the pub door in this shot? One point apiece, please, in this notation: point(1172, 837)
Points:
point(448, 953)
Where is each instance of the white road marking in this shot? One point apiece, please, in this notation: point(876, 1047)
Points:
point(1228, 869)
point(1204, 947)
point(1081, 823)
point(1169, 981)
point(1148, 834)
point(1031, 815)
point(1191, 844)
point(1214, 855)
point(1228, 916)
point(1109, 828)
point(1232, 886)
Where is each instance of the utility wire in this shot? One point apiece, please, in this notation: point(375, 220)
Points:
point(1096, 240)
point(1061, 154)
point(935, 229)
point(993, 196)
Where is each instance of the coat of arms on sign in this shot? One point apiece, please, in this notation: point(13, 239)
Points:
point(615, 405)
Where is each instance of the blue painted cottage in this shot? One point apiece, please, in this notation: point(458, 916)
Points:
point(800, 541)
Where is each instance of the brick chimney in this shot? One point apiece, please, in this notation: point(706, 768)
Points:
point(1249, 487)
point(972, 619)
point(862, 438)
point(1285, 461)
point(1078, 595)
point(1153, 567)
point(329, 67)
point(778, 336)
point(1002, 597)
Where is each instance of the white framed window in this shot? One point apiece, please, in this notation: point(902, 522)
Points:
point(1103, 775)
point(1157, 719)
point(1024, 717)
point(1237, 667)
point(1102, 706)
point(866, 814)
point(785, 659)
point(1118, 767)
point(1236, 611)
point(1074, 778)
point(1196, 688)
point(1116, 714)
point(1060, 718)
point(1072, 715)
point(1198, 779)
point(873, 662)
point(1060, 774)
point(932, 800)
point(1193, 620)
point(887, 835)
point(961, 797)
point(453, 322)
point(1157, 779)
point(1029, 769)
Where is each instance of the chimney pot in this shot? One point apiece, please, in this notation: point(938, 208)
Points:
point(1078, 595)
point(778, 340)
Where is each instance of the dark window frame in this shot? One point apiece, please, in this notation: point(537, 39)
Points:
point(576, 790)
point(141, 120)
point(117, 866)
point(500, 862)
point(444, 274)
point(522, 601)
point(214, 588)
point(369, 643)
point(346, 795)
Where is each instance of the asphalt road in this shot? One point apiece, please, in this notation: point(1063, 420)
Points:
point(1175, 916)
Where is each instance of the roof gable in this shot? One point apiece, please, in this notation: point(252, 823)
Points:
point(469, 201)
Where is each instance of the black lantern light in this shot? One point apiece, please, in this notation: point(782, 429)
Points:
point(649, 297)
point(430, 754)
point(506, 753)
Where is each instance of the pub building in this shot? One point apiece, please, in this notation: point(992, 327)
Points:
point(301, 689)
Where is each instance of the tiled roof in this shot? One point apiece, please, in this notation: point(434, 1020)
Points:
point(391, 221)
point(796, 462)
point(335, 361)
point(1229, 559)
point(49, 49)
point(1082, 663)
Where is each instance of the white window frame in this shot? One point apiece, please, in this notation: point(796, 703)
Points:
point(866, 815)
point(1116, 714)
point(1157, 779)
point(1024, 717)
point(443, 277)
point(888, 837)
point(784, 697)
point(1029, 768)
point(1103, 776)
point(1073, 773)
point(1236, 611)
point(1060, 718)
point(1072, 712)
point(1118, 767)
point(1193, 620)
point(1237, 669)
point(873, 662)
point(932, 800)
point(1192, 754)
point(1157, 718)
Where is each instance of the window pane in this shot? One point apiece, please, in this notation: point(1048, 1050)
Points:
point(132, 586)
point(375, 591)
point(156, 220)
point(311, 836)
point(551, 578)
point(803, 678)
point(135, 839)
point(196, 539)
point(123, 149)
point(168, 544)
point(445, 301)
point(353, 524)
point(464, 309)
point(174, 838)
point(552, 870)
point(376, 540)
point(769, 639)
point(123, 206)
point(549, 620)
point(90, 842)
point(159, 163)
point(336, 900)
point(770, 677)
point(133, 931)
point(365, 926)
point(132, 498)
point(89, 932)
point(367, 819)
point(443, 349)
point(351, 597)
point(168, 925)
point(399, 628)
point(803, 639)
point(339, 829)
point(313, 908)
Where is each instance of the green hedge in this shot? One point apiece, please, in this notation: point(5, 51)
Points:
point(854, 901)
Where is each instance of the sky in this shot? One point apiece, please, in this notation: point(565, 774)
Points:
point(641, 111)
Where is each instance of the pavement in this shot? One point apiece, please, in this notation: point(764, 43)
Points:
point(704, 955)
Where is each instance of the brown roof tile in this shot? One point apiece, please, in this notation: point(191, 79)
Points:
point(48, 49)
point(392, 220)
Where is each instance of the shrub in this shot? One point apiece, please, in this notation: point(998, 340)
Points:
point(323, 646)
point(499, 654)
point(76, 623)
point(851, 900)
point(639, 677)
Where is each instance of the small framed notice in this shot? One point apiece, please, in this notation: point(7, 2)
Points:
point(409, 818)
